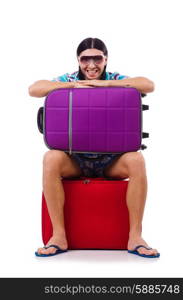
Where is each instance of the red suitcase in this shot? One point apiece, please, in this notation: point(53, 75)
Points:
point(96, 215)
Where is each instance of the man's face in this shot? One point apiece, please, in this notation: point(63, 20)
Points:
point(92, 63)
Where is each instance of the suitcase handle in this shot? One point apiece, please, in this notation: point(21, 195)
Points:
point(40, 117)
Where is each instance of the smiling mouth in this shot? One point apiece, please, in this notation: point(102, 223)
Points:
point(92, 72)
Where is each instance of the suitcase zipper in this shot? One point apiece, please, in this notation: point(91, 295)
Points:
point(86, 181)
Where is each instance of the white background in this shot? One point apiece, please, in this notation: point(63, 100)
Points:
point(38, 41)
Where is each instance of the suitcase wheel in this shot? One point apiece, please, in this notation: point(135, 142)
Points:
point(143, 147)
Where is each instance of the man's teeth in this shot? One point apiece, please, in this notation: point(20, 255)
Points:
point(92, 71)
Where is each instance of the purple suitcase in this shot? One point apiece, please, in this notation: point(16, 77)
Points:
point(94, 120)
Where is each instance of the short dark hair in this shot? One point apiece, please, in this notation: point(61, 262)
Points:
point(92, 43)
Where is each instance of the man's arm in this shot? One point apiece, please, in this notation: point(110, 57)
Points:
point(42, 87)
point(142, 84)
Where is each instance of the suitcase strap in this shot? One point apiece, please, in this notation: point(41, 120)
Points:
point(70, 121)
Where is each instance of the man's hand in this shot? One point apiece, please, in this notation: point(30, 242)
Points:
point(93, 82)
point(142, 84)
point(79, 84)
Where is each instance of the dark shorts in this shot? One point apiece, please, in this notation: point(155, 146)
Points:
point(94, 167)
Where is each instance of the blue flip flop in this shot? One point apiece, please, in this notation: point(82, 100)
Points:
point(58, 251)
point(134, 251)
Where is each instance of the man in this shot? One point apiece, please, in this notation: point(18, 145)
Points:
point(92, 59)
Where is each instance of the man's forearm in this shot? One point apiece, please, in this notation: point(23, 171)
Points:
point(41, 88)
point(142, 84)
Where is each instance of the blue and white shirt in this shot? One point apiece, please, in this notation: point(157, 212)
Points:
point(75, 77)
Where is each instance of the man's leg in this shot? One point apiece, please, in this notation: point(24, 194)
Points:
point(57, 164)
point(132, 165)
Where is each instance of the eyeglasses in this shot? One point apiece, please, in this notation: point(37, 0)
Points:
point(97, 59)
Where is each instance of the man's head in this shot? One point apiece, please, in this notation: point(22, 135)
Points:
point(92, 58)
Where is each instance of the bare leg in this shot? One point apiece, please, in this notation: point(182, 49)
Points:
point(132, 165)
point(57, 164)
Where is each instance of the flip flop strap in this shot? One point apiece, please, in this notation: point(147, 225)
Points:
point(142, 246)
point(54, 246)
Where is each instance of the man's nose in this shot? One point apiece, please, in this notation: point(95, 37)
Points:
point(91, 63)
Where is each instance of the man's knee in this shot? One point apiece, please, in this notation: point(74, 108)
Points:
point(54, 158)
point(135, 163)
